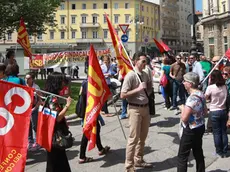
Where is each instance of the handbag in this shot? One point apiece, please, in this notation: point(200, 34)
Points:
point(164, 81)
point(62, 137)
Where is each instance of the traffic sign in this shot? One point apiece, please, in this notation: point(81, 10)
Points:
point(124, 27)
point(124, 38)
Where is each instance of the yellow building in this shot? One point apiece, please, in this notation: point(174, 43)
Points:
point(80, 23)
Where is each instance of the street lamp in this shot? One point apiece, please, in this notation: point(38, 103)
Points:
point(193, 50)
point(137, 22)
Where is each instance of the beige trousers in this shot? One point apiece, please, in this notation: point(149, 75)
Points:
point(139, 121)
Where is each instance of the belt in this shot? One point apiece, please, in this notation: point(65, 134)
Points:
point(137, 105)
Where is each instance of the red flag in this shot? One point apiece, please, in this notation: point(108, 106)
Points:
point(166, 48)
point(98, 92)
point(227, 54)
point(23, 39)
point(45, 127)
point(122, 58)
point(15, 111)
point(159, 46)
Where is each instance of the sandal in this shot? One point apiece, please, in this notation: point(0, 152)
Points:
point(85, 160)
point(104, 151)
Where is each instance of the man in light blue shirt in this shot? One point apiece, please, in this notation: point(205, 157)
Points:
point(196, 67)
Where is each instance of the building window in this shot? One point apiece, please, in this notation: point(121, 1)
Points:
point(83, 35)
point(105, 21)
point(147, 9)
point(115, 5)
point(198, 35)
point(105, 6)
point(105, 34)
point(94, 34)
point(224, 8)
point(142, 8)
point(73, 6)
point(83, 19)
point(211, 28)
point(147, 21)
point(225, 43)
point(9, 36)
point(73, 20)
point(62, 35)
point(39, 36)
point(126, 18)
point(225, 25)
point(83, 6)
point(94, 19)
point(115, 18)
point(94, 6)
point(62, 20)
point(62, 6)
point(73, 34)
point(117, 31)
point(126, 5)
point(51, 34)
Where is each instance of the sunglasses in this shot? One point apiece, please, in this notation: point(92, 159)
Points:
point(143, 61)
point(178, 58)
point(214, 61)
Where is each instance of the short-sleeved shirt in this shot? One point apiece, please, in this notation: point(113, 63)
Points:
point(15, 80)
point(178, 70)
point(166, 70)
point(130, 83)
point(206, 66)
point(109, 70)
point(198, 105)
point(218, 97)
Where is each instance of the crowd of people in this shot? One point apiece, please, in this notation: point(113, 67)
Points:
point(184, 76)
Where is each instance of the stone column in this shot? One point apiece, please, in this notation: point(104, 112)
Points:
point(218, 37)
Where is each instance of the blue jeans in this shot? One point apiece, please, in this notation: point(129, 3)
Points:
point(178, 86)
point(124, 108)
point(219, 119)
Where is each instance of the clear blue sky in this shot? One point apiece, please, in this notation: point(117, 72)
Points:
point(199, 5)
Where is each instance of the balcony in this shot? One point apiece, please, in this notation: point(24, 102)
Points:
point(164, 36)
point(171, 6)
point(89, 40)
point(168, 16)
point(89, 25)
point(215, 17)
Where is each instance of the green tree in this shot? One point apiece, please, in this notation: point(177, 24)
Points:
point(37, 14)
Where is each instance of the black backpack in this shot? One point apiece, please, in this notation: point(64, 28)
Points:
point(81, 104)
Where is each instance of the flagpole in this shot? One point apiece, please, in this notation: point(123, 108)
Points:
point(119, 119)
point(42, 91)
point(130, 61)
point(212, 69)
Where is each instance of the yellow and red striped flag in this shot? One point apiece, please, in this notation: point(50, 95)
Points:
point(97, 93)
point(23, 39)
point(122, 57)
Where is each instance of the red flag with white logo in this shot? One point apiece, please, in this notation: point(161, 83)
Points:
point(15, 111)
point(45, 127)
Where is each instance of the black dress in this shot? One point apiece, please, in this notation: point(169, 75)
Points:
point(57, 160)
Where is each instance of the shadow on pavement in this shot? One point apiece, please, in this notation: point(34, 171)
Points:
point(118, 156)
point(218, 170)
point(74, 122)
point(154, 116)
point(40, 156)
point(174, 135)
point(169, 122)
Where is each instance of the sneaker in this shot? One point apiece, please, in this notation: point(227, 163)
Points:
point(173, 108)
point(35, 147)
point(122, 117)
point(143, 164)
point(217, 155)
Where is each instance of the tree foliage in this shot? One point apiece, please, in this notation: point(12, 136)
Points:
point(37, 14)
